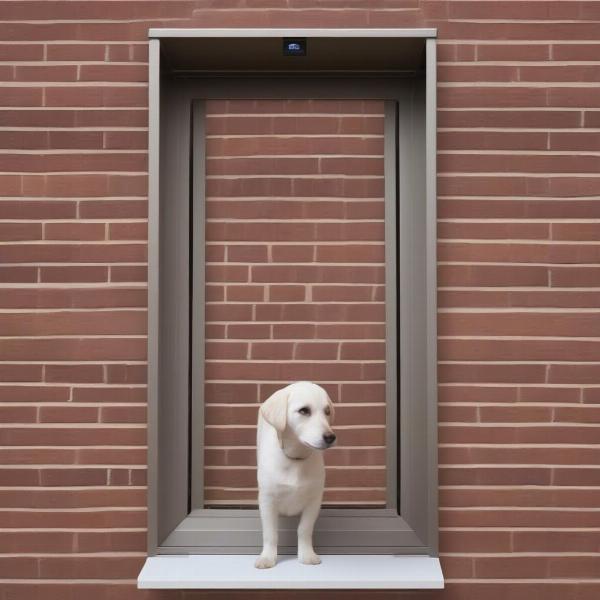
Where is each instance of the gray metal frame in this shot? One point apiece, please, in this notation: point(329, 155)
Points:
point(408, 526)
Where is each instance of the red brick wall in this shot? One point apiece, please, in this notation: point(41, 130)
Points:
point(519, 203)
point(296, 283)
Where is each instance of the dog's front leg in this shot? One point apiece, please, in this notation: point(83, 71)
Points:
point(269, 520)
point(306, 553)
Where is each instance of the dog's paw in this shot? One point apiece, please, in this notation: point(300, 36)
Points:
point(309, 558)
point(265, 561)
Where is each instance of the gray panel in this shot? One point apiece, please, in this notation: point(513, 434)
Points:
point(197, 309)
point(431, 265)
point(347, 531)
point(174, 316)
point(153, 289)
point(392, 398)
point(413, 304)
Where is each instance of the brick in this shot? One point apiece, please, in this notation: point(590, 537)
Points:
point(489, 231)
point(225, 350)
point(14, 52)
point(495, 476)
point(316, 274)
point(74, 253)
point(226, 273)
point(514, 414)
point(109, 394)
point(20, 231)
point(79, 52)
point(67, 322)
point(524, 350)
point(274, 145)
point(508, 434)
point(247, 253)
point(517, 323)
point(20, 373)
point(38, 541)
point(518, 299)
point(128, 273)
point(517, 208)
point(46, 73)
point(294, 371)
point(73, 274)
point(230, 392)
point(107, 567)
point(542, 541)
point(271, 350)
point(508, 119)
point(128, 231)
point(123, 414)
point(283, 232)
point(573, 374)
point(108, 72)
point(72, 498)
point(21, 96)
point(123, 541)
point(491, 373)
point(94, 96)
point(74, 297)
point(65, 162)
point(514, 252)
point(319, 312)
point(316, 351)
point(513, 52)
point(68, 414)
point(18, 274)
point(74, 373)
point(126, 374)
point(291, 254)
point(287, 293)
point(475, 541)
point(474, 163)
point(74, 231)
point(492, 275)
point(18, 414)
point(68, 519)
point(279, 125)
point(244, 293)
point(113, 209)
point(247, 331)
point(30, 393)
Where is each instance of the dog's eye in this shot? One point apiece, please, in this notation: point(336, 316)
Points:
point(304, 411)
point(327, 411)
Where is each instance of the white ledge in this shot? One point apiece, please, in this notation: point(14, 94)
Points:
point(234, 571)
point(276, 32)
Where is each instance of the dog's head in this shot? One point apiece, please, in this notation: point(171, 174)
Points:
point(304, 410)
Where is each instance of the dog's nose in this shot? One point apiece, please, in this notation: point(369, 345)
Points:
point(329, 438)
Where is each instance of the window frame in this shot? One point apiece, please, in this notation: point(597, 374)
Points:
point(406, 527)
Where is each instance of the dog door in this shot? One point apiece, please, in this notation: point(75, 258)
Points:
point(292, 256)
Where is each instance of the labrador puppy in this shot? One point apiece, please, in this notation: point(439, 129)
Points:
point(293, 429)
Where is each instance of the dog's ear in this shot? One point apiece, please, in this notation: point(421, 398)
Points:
point(331, 408)
point(274, 409)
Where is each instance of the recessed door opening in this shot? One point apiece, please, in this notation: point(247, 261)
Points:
point(295, 284)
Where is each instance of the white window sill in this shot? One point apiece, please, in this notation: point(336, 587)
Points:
point(350, 571)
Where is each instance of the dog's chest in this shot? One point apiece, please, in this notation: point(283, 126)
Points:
point(293, 492)
point(293, 485)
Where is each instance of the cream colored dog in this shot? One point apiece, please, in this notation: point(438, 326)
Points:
point(293, 426)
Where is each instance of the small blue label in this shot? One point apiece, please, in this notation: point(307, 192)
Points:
point(296, 47)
